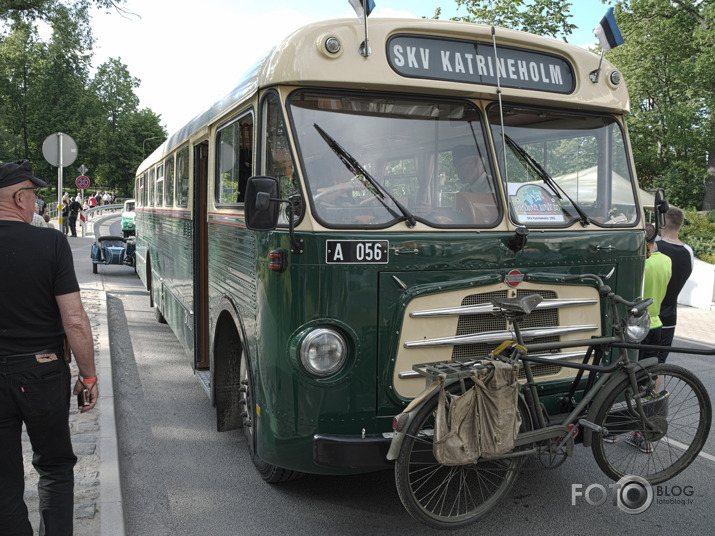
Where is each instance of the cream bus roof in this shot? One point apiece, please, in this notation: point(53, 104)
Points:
point(302, 59)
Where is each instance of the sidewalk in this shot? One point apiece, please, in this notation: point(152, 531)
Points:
point(98, 498)
point(695, 324)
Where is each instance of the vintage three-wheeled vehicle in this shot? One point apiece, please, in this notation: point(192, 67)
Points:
point(113, 250)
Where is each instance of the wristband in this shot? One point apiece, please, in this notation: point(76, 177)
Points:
point(89, 380)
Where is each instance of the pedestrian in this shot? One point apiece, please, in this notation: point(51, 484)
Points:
point(75, 207)
point(42, 206)
point(683, 261)
point(655, 282)
point(65, 214)
point(37, 220)
point(41, 310)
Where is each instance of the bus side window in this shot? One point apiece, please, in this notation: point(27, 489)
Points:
point(169, 181)
point(160, 185)
point(152, 186)
point(277, 160)
point(234, 159)
point(182, 178)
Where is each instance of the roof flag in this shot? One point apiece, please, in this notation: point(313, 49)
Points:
point(358, 7)
point(607, 31)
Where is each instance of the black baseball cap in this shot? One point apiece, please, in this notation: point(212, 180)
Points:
point(16, 172)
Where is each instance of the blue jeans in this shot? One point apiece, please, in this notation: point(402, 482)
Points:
point(36, 391)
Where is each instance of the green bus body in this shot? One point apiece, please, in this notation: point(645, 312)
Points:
point(231, 294)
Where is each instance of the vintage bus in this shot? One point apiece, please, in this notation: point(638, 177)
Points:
point(340, 217)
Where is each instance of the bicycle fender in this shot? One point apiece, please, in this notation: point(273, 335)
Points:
point(405, 418)
point(597, 402)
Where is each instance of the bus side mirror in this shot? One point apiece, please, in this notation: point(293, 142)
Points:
point(661, 207)
point(262, 203)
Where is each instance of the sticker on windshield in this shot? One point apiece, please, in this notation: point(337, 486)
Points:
point(534, 204)
point(356, 251)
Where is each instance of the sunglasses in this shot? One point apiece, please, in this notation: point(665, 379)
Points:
point(35, 189)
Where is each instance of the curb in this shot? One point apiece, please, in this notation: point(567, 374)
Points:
point(111, 503)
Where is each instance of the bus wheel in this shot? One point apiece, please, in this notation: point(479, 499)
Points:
point(269, 472)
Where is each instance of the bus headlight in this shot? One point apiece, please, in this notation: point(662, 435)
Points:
point(637, 327)
point(323, 352)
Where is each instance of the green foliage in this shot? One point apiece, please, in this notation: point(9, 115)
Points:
point(45, 87)
point(670, 80)
point(698, 232)
point(543, 17)
point(683, 186)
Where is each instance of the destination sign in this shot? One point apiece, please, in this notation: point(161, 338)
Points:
point(475, 62)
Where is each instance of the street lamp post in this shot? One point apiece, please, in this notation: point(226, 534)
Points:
point(144, 145)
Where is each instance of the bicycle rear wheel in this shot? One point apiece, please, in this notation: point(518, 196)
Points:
point(449, 496)
point(679, 408)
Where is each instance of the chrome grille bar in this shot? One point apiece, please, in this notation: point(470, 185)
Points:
point(488, 308)
point(499, 336)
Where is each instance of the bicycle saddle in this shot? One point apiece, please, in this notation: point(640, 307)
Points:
point(523, 305)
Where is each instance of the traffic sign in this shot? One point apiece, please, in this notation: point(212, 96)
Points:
point(59, 149)
point(82, 182)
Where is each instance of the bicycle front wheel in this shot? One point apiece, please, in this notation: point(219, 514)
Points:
point(678, 409)
point(444, 496)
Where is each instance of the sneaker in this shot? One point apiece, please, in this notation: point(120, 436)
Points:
point(610, 438)
point(639, 442)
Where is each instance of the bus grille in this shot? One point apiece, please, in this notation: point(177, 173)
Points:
point(480, 323)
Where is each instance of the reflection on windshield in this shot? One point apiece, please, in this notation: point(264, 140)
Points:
point(430, 156)
point(584, 155)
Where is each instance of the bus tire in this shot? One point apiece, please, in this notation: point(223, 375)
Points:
point(269, 472)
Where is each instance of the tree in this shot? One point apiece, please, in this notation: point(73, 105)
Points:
point(45, 87)
point(29, 10)
point(543, 17)
point(671, 81)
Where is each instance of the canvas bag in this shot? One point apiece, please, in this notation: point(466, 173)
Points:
point(456, 433)
point(497, 398)
point(482, 422)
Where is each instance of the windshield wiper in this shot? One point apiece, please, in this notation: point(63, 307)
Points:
point(365, 178)
point(548, 180)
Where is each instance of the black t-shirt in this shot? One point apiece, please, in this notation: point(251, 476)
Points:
point(36, 265)
point(682, 267)
point(75, 207)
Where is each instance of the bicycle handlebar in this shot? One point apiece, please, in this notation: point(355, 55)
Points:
point(637, 308)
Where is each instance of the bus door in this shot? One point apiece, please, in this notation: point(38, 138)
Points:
point(200, 260)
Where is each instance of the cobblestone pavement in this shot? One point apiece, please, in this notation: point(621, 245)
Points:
point(85, 430)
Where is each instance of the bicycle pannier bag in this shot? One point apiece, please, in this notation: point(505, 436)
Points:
point(497, 396)
point(456, 434)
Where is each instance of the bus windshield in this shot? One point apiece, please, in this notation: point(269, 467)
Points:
point(563, 167)
point(428, 158)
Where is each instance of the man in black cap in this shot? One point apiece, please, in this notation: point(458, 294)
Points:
point(42, 310)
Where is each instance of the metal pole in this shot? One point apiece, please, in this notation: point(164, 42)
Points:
point(59, 181)
point(364, 47)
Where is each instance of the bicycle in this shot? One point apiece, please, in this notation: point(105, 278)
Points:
point(640, 418)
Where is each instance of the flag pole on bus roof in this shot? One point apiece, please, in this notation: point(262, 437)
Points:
point(363, 8)
point(609, 36)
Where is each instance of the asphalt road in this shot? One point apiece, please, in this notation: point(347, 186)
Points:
point(182, 477)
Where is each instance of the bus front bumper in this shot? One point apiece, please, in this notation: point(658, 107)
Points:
point(352, 451)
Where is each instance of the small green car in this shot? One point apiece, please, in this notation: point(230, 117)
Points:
point(128, 219)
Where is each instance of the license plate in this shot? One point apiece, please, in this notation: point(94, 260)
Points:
point(356, 251)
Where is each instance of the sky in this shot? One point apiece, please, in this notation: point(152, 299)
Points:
point(171, 45)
